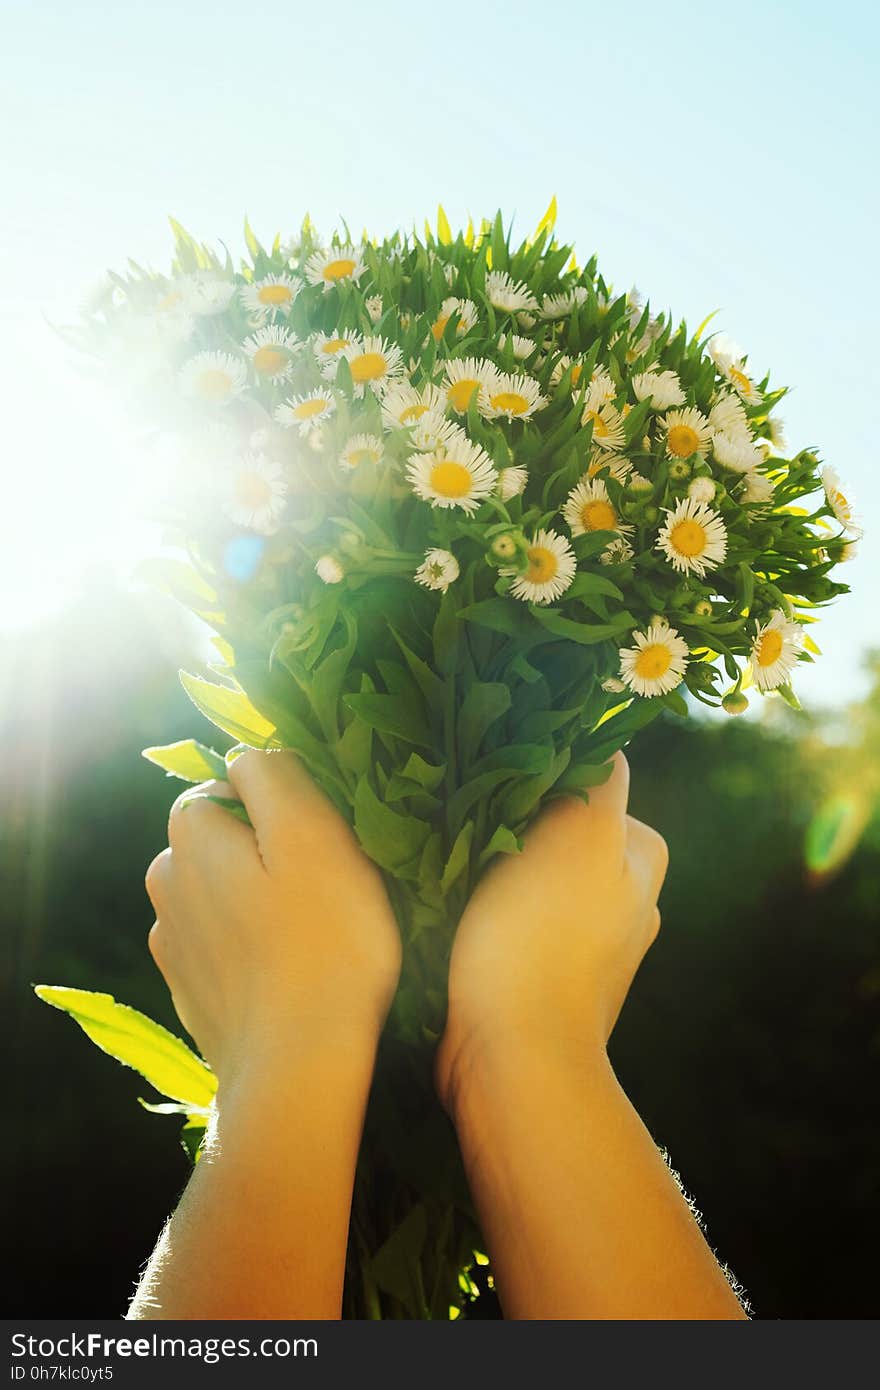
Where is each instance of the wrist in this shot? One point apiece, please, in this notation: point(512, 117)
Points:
point(508, 1054)
point(274, 1057)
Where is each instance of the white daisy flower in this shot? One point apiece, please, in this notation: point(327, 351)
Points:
point(687, 433)
point(588, 507)
point(438, 570)
point(206, 295)
point(556, 306)
point(217, 377)
point(526, 322)
point(562, 365)
point(513, 396)
point(612, 686)
point(701, 489)
point(431, 431)
point(608, 431)
point(512, 482)
point(775, 651)
point(449, 274)
point(256, 493)
point(403, 405)
point(551, 568)
point(848, 551)
point(306, 411)
point(728, 417)
point(616, 552)
point(775, 432)
point(601, 460)
point(337, 263)
point(466, 310)
point(328, 347)
point(273, 294)
point(521, 347)
point(458, 474)
point(693, 537)
point(511, 296)
point(657, 662)
point(839, 503)
point(737, 453)
point(174, 325)
point(362, 448)
point(663, 389)
point(464, 377)
point(375, 363)
point(373, 306)
point(328, 568)
point(730, 362)
point(757, 488)
point(601, 390)
point(270, 351)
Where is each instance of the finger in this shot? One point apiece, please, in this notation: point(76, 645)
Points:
point(157, 879)
point(198, 825)
point(283, 802)
point(647, 855)
point(611, 798)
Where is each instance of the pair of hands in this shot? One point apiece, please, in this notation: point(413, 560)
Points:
point(264, 934)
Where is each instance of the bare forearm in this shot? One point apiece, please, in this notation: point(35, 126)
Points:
point(261, 1230)
point(582, 1217)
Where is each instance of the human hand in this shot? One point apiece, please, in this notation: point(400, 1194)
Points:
point(272, 935)
point(549, 943)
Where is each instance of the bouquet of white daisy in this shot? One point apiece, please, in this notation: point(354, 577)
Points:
point(462, 521)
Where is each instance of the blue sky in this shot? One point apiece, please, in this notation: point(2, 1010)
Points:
point(717, 156)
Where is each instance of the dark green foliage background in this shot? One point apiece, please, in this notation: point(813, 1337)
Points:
point(750, 1042)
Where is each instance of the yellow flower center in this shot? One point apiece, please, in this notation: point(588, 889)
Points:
point(601, 428)
point(598, 516)
point(413, 412)
point(370, 366)
point(510, 403)
point(358, 456)
point(769, 647)
point(214, 385)
point(307, 410)
point(339, 269)
point(439, 328)
point(451, 479)
point(576, 373)
point(543, 564)
point(683, 441)
point(653, 661)
point(740, 379)
point(170, 301)
point(460, 392)
point(688, 538)
point(334, 345)
point(252, 490)
point(274, 294)
point(269, 361)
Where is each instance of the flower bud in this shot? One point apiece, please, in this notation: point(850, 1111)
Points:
point(679, 469)
point(703, 608)
point(650, 515)
point(735, 703)
point(329, 569)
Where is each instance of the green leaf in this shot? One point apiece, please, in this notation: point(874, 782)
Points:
point(427, 775)
point(503, 841)
point(428, 681)
point(521, 800)
point(136, 1041)
point(585, 633)
point(458, 858)
point(484, 703)
point(188, 760)
point(500, 615)
point(230, 710)
point(392, 841)
point(391, 714)
point(395, 1264)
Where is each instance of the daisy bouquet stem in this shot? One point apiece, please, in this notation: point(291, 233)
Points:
point(462, 520)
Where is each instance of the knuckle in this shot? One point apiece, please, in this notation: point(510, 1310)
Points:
point(654, 926)
point(156, 877)
point(156, 944)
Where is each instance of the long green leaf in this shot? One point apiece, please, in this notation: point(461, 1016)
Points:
point(135, 1040)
